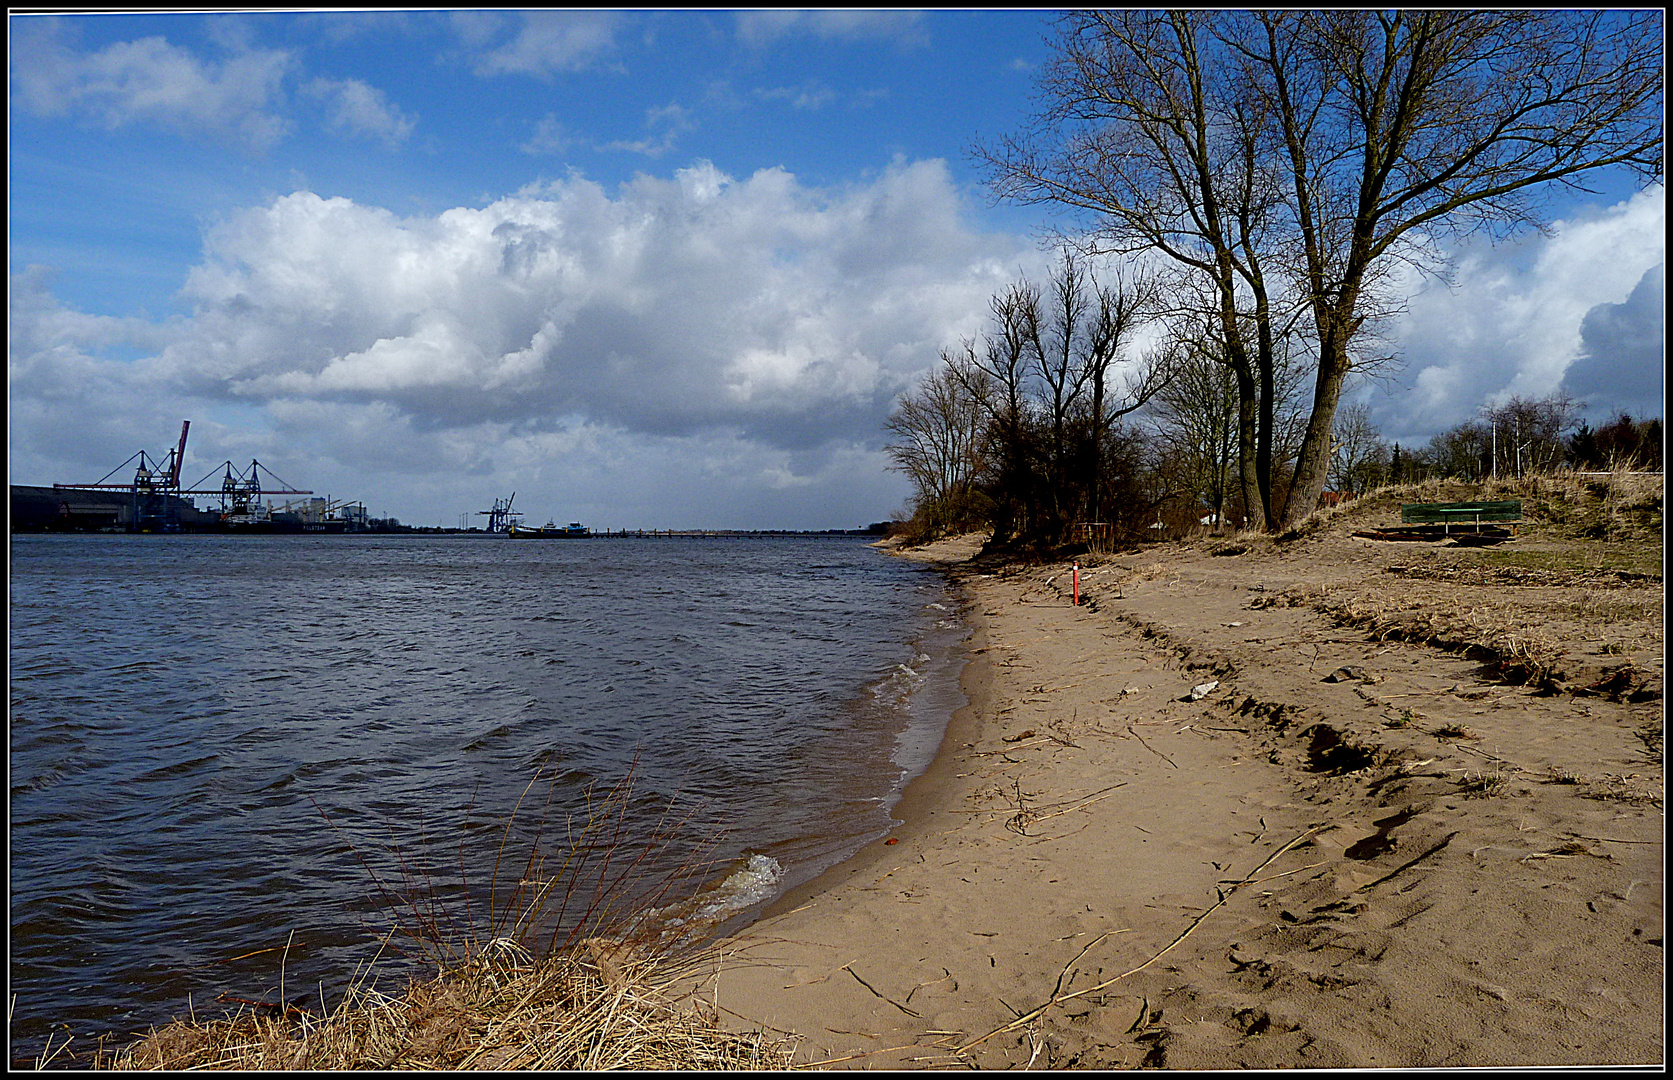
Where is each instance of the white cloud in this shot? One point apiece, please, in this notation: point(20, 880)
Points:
point(1512, 322)
point(677, 304)
point(666, 122)
point(355, 108)
point(810, 95)
point(547, 42)
point(725, 345)
point(150, 82)
point(758, 29)
point(550, 137)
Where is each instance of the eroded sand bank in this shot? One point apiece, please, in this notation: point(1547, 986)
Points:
point(1407, 864)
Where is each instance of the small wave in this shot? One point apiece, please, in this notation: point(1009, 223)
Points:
point(166, 771)
point(755, 882)
point(482, 740)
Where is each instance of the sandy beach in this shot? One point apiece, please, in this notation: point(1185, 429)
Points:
point(1327, 803)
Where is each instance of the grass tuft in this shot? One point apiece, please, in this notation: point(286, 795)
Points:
point(494, 1012)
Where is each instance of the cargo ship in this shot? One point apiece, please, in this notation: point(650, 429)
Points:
point(550, 531)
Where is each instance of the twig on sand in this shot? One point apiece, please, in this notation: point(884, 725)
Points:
point(1286, 873)
point(1057, 997)
point(851, 1057)
point(848, 967)
point(1026, 817)
point(1152, 749)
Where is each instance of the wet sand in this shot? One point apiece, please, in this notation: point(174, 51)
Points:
point(1406, 864)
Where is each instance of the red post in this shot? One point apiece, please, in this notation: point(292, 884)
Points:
point(1077, 584)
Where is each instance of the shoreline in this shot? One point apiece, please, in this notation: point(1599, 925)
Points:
point(1287, 869)
point(924, 793)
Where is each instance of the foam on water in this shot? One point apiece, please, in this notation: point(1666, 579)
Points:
point(756, 882)
point(749, 886)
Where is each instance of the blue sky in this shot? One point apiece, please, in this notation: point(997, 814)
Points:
point(646, 268)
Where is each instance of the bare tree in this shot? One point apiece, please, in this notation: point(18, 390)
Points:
point(1058, 350)
point(1196, 419)
point(1356, 138)
point(998, 377)
point(1162, 151)
point(1077, 345)
point(938, 432)
point(1359, 456)
point(1124, 301)
point(1528, 433)
point(1464, 451)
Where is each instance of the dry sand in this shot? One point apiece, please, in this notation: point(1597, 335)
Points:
point(1412, 863)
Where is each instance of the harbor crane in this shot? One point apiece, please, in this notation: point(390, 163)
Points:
point(502, 518)
point(156, 490)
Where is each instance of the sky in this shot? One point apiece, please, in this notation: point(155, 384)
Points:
point(645, 269)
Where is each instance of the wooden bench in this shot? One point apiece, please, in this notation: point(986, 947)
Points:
point(1462, 513)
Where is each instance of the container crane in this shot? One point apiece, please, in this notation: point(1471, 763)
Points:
point(155, 488)
point(502, 518)
point(156, 491)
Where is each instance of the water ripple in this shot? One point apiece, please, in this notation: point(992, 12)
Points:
point(218, 741)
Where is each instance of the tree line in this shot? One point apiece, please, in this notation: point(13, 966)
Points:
point(1256, 180)
point(1520, 437)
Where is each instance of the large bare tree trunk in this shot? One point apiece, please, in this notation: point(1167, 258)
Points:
point(1312, 467)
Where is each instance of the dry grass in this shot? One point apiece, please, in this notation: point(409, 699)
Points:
point(1619, 506)
point(1499, 636)
point(568, 962)
point(504, 1011)
point(1481, 785)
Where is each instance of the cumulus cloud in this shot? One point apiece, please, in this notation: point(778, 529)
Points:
point(745, 336)
point(150, 82)
point(694, 301)
point(60, 372)
point(545, 43)
point(358, 109)
point(1510, 322)
point(1622, 367)
point(758, 29)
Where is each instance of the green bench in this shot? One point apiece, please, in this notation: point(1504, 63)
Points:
point(1462, 513)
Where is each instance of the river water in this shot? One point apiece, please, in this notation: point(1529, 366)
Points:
point(221, 746)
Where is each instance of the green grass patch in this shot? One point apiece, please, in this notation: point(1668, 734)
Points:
point(1596, 555)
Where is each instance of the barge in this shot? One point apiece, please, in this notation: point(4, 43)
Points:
point(550, 531)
